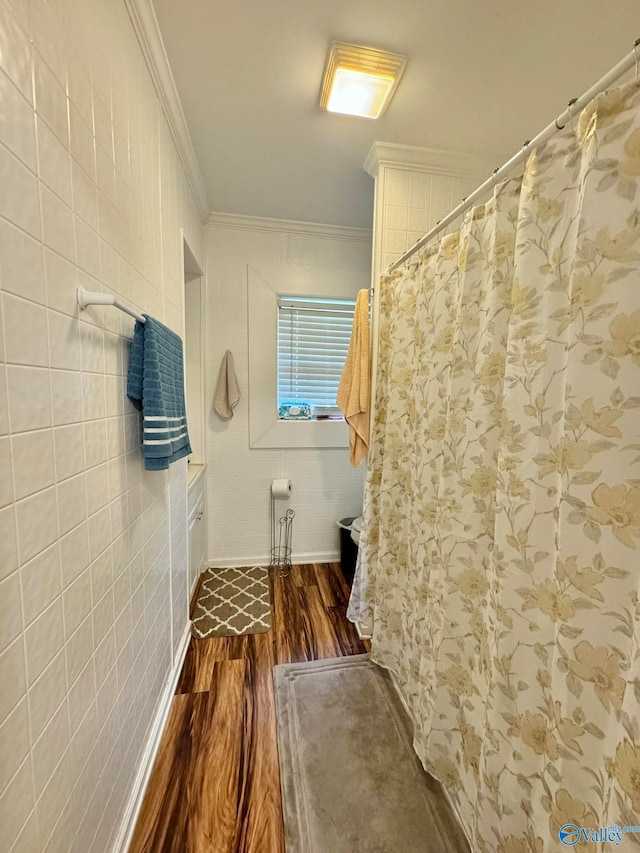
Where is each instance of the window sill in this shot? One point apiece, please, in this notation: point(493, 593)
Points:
point(310, 420)
point(303, 434)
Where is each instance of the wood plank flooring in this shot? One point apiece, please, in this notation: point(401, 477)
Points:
point(215, 786)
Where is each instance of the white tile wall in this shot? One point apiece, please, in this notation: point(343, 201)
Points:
point(325, 487)
point(409, 203)
point(93, 589)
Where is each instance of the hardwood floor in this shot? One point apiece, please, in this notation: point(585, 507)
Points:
point(215, 786)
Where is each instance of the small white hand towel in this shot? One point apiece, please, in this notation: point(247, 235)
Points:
point(227, 393)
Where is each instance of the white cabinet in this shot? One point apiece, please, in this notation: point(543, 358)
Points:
point(197, 536)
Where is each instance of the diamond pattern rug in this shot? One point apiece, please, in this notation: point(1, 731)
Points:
point(232, 602)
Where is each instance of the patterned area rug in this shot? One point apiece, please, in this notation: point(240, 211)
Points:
point(233, 602)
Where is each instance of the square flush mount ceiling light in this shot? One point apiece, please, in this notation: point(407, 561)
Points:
point(360, 81)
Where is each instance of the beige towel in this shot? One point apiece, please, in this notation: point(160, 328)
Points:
point(227, 391)
point(355, 385)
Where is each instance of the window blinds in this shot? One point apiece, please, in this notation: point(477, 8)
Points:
point(313, 339)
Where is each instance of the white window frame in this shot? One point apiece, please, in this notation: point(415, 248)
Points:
point(263, 288)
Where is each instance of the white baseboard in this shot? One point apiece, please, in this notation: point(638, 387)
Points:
point(327, 557)
point(364, 631)
point(134, 804)
point(400, 693)
point(262, 560)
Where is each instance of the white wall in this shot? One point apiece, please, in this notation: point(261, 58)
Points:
point(194, 388)
point(93, 602)
point(325, 487)
point(416, 187)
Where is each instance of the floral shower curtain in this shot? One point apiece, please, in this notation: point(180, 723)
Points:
point(500, 556)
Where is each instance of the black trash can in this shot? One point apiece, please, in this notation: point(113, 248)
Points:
point(348, 550)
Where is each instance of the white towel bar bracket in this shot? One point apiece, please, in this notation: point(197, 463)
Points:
point(95, 297)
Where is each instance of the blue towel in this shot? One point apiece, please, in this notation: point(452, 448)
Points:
point(156, 386)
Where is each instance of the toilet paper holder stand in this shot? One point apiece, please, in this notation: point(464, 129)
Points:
point(281, 540)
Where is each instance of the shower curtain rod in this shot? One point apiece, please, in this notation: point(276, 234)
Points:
point(574, 106)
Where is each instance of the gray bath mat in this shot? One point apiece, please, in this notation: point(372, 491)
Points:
point(232, 602)
point(351, 782)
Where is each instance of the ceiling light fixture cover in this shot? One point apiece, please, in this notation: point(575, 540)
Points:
point(360, 81)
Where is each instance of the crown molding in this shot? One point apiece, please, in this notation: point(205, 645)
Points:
point(290, 226)
point(145, 25)
point(432, 160)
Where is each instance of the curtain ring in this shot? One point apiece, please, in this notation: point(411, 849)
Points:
point(635, 56)
point(569, 105)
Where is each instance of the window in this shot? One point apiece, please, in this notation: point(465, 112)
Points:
point(265, 288)
point(313, 339)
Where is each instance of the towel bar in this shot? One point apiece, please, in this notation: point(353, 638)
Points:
point(94, 297)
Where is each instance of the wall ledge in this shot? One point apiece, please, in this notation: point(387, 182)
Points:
point(432, 160)
point(145, 25)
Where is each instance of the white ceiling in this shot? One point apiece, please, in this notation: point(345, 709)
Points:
point(482, 76)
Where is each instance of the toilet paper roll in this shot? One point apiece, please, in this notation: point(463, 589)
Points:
point(281, 488)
